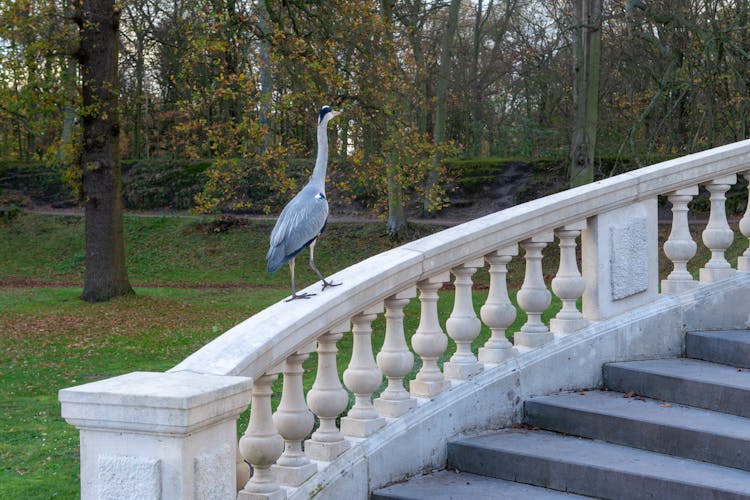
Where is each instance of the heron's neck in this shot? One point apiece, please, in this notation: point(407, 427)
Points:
point(321, 161)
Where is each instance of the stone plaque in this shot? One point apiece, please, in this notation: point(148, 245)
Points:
point(629, 258)
point(213, 474)
point(124, 477)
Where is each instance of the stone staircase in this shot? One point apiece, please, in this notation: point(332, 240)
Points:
point(666, 428)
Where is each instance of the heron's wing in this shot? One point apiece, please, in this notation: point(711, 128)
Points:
point(300, 222)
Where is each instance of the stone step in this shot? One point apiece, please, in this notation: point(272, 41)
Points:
point(647, 424)
point(594, 468)
point(726, 347)
point(454, 485)
point(689, 382)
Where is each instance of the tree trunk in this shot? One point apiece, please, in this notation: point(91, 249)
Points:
point(587, 46)
point(441, 97)
point(396, 214)
point(105, 276)
point(477, 96)
point(69, 118)
point(266, 78)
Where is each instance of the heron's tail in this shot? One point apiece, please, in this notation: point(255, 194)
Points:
point(275, 259)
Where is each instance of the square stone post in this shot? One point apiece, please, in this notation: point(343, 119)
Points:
point(620, 260)
point(149, 435)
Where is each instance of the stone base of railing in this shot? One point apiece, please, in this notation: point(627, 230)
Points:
point(157, 435)
point(495, 355)
point(566, 326)
point(743, 263)
point(712, 275)
point(532, 339)
point(427, 388)
point(394, 408)
point(278, 494)
point(461, 371)
point(323, 451)
point(673, 287)
point(294, 475)
point(360, 427)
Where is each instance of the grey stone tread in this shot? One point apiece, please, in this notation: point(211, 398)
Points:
point(452, 485)
point(686, 381)
point(594, 468)
point(728, 347)
point(647, 424)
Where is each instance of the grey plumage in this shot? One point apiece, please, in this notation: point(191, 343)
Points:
point(301, 221)
point(305, 216)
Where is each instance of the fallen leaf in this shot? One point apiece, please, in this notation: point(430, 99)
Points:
point(666, 405)
point(629, 394)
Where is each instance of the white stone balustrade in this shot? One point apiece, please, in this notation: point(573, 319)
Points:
point(294, 421)
point(718, 236)
point(680, 247)
point(173, 435)
point(429, 341)
point(534, 297)
point(498, 313)
point(395, 359)
point(261, 445)
point(463, 326)
point(568, 284)
point(327, 399)
point(743, 261)
point(363, 377)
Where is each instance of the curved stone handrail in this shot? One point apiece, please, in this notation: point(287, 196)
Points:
point(268, 338)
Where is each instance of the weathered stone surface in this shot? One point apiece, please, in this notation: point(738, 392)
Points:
point(594, 468)
point(123, 477)
point(727, 347)
point(629, 258)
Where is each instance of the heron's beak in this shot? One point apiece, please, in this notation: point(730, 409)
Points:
point(335, 113)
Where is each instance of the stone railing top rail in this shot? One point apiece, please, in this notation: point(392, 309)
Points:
point(266, 339)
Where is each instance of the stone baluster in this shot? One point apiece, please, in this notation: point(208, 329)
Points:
point(568, 284)
point(395, 359)
point(743, 261)
point(463, 326)
point(363, 377)
point(498, 313)
point(718, 236)
point(261, 445)
point(429, 341)
point(680, 247)
point(243, 470)
point(327, 399)
point(294, 421)
point(534, 297)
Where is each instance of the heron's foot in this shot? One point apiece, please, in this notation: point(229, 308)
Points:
point(326, 284)
point(299, 296)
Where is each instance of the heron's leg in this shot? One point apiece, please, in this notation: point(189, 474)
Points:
point(312, 264)
point(296, 295)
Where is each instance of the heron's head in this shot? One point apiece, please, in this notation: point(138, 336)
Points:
point(326, 113)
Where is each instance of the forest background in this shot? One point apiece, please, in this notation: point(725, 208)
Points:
point(227, 91)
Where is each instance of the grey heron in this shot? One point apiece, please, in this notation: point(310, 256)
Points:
point(304, 217)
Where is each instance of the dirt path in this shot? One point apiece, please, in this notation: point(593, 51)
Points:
point(75, 212)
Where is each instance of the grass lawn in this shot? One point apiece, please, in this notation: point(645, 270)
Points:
point(194, 279)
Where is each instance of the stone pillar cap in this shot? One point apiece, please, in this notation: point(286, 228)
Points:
point(154, 402)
